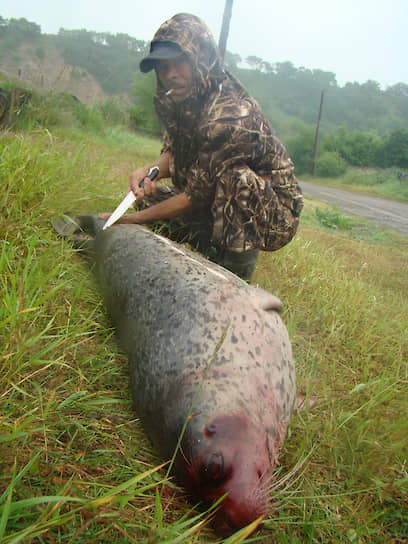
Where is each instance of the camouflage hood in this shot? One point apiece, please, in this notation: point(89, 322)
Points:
point(194, 38)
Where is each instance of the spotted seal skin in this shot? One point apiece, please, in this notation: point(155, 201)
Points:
point(172, 308)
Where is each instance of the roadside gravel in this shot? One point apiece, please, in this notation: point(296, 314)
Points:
point(389, 213)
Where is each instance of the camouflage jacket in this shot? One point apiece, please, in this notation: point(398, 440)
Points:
point(223, 149)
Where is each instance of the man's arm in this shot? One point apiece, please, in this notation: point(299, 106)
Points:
point(172, 207)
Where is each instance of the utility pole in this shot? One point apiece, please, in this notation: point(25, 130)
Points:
point(222, 44)
point(316, 141)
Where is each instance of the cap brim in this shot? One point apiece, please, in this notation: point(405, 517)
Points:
point(159, 51)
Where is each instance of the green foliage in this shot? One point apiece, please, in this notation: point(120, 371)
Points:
point(15, 31)
point(357, 148)
point(296, 92)
point(114, 112)
point(332, 219)
point(14, 102)
point(354, 148)
point(395, 149)
point(89, 118)
point(39, 52)
point(30, 109)
point(330, 164)
point(142, 115)
point(111, 59)
point(368, 149)
point(300, 148)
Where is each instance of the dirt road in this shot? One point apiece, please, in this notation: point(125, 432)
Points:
point(390, 214)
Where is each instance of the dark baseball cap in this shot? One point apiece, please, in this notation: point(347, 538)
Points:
point(159, 50)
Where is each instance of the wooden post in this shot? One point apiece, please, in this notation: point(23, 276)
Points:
point(222, 44)
point(316, 141)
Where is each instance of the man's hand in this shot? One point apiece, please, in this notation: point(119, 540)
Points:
point(139, 175)
point(135, 180)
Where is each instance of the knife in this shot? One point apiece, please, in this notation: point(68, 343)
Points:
point(128, 200)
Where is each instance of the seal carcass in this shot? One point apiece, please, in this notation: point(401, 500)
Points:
point(207, 348)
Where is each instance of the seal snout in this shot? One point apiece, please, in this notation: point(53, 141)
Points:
point(228, 458)
point(247, 500)
point(234, 516)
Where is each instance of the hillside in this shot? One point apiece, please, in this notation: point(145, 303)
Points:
point(46, 68)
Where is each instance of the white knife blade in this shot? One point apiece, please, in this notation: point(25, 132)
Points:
point(128, 201)
point(120, 210)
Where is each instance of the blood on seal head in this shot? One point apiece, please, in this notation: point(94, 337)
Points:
point(228, 460)
point(230, 447)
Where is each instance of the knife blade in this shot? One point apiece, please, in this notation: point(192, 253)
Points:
point(128, 200)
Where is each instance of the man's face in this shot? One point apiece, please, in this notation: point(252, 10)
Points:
point(176, 75)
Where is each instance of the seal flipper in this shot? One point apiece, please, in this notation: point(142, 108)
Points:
point(69, 225)
point(265, 300)
point(80, 230)
point(66, 226)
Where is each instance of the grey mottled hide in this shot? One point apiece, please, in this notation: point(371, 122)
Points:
point(171, 308)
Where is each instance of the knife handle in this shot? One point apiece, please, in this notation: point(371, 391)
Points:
point(154, 170)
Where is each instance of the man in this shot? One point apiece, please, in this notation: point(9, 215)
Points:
point(234, 191)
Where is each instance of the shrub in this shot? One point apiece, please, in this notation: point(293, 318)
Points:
point(332, 219)
point(114, 112)
point(300, 148)
point(395, 149)
point(356, 148)
point(331, 165)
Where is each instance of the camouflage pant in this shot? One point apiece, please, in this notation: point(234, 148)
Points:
point(242, 264)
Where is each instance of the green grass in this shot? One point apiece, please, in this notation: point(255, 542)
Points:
point(75, 464)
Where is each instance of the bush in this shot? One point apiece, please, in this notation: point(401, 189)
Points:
point(114, 112)
point(142, 115)
point(356, 148)
point(333, 220)
point(22, 108)
point(300, 148)
point(395, 149)
point(331, 165)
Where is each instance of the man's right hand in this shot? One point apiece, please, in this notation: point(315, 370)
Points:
point(136, 178)
point(139, 175)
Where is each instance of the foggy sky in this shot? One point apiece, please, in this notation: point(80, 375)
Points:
point(357, 40)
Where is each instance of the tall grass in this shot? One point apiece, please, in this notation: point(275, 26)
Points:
point(75, 464)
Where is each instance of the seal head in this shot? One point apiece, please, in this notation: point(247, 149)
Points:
point(230, 460)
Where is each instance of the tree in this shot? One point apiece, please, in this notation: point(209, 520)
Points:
point(357, 148)
point(3, 26)
point(286, 70)
point(143, 115)
point(111, 59)
point(254, 62)
point(24, 27)
point(300, 148)
point(395, 149)
point(232, 60)
point(331, 164)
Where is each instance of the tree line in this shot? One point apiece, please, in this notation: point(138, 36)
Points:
point(341, 147)
point(362, 124)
